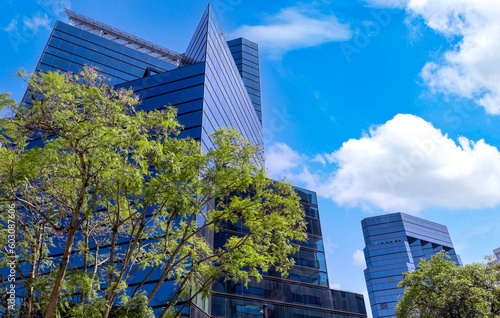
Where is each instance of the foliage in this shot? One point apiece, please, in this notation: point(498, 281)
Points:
point(440, 288)
point(112, 190)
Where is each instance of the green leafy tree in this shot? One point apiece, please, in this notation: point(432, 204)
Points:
point(116, 193)
point(440, 288)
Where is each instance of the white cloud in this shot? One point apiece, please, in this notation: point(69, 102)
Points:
point(319, 158)
point(407, 165)
point(27, 29)
point(295, 28)
point(48, 11)
point(359, 258)
point(334, 286)
point(55, 6)
point(470, 68)
point(37, 21)
point(12, 27)
point(280, 158)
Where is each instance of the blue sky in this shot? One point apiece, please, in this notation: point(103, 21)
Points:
point(378, 105)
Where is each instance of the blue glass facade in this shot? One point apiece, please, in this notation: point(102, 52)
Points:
point(246, 55)
point(304, 293)
point(227, 102)
point(70, 48)
point(206, 88)
point(395, 243)
point(213, 84)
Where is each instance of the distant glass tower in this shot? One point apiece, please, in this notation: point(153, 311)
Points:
point(497, 254)
point(395, 243)
point(214, 84)
point(304, 293)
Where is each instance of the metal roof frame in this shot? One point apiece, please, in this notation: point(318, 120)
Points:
point(123, 38)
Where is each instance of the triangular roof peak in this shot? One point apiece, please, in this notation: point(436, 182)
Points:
point(196, 50)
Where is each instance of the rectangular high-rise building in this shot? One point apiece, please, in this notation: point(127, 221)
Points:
point(395, 243)
point(214, 84)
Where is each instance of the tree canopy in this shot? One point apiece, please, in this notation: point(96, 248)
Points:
point(440, 288)
point(106, 195)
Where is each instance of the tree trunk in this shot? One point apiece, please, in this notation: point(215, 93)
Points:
point(62, 273)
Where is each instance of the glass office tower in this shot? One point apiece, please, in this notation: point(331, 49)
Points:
point(395, 243)
point(215, 83)
point(204, 83)
point(304, 293)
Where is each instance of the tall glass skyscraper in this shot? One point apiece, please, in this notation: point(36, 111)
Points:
point(395, 243)
point(214, 84)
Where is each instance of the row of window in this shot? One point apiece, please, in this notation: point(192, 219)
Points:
point(276, 290)
point(183, 73)
point(382, 286)
point(242, 61)
point(82, 55)
point(384, 249)
point(88, 49)
point(244, 48)
point(255, 79)
point(251, 86)
point(240, 308)
point(242, 55)
point(243, 41)
point(314, 242)
point(388, 279)
point(173, 98)
point(248, 69)
point(249, 82)
point(171, 86)
point(73, 67)
point(381, 219)
point(402, 255)
point(385, 271)
point(124, 52)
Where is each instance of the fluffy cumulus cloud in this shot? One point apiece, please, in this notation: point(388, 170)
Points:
point(294, 28)
point(280, 159)
point(406, 165)
point(470, 68)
